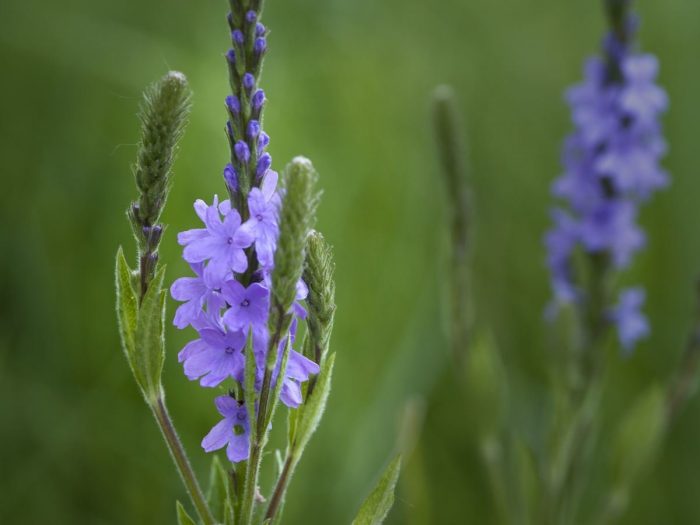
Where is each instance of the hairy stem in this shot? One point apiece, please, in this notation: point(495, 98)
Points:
point(179, 456)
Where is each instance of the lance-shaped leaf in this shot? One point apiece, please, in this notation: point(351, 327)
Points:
point(249, 386)
point(280, 380)
point(149, 350)
point(638, 437)
point(485, 385)
point(217, 494)
point(182, 517)
point(378, 504)
point(127, 311)
point(313, 408)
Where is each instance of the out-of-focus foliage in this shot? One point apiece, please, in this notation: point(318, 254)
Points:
point(348, 86)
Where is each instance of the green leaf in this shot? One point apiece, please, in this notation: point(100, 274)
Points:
point(314, 407)
point(228, 513)
point(485, 386)
point(127, 309)
point(638, 437)
point(182, 517)
point(217, 492)
point(378, 504)
point(150, 337)
point(249, 385)
point(278, 386)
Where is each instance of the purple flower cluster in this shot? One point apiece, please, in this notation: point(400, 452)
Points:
point(224, 310)
point(611, 165)
point(232, 257)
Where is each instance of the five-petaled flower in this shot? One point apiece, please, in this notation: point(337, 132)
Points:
point(232, 432)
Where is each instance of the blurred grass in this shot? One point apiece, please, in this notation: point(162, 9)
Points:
point(348, 84)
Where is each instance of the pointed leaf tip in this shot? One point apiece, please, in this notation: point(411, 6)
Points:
point(182, 517)
point(378, 504)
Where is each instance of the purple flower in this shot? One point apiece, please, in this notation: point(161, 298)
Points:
point(612, 228)
point(251, 16)
point(215, 356)
point(231, 56)
point(631, 323)
point(263, 203)
point(231, 178)
point(260, 45)
point(233, 104)
point(263, 141)
point(264, 163)
point(258, 99)
point(232, 432)
point(641, 97)
point(196, 294)
point(248, 81)
point(611, 165)
point(260, 29)
point(561, 241)
point(242, 151)
point(221, 242)
point(237, 36)
point(253, 129)
point(299, 369)
point(247, 306)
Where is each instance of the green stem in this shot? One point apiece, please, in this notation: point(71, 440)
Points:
point(684, 383)
point(280, 488)
point(281, 324)
point(179, 456)
point(492, 456)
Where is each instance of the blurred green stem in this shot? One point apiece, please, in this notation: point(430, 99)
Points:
point(449, 133)
point(492, 455)
point(179, 456)
point(683, 384)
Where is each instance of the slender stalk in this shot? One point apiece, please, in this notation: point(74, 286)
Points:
point(179, 456)
point(492, 455)
point(280, 488)
point(258, 441)
point(451, 145)
point(684, 383)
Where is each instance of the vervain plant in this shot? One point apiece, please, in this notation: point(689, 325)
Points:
point(611, 166)
point(262, 297)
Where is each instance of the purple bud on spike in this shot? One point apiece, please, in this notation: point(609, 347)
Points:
point(135, 209)
point(233, 104)
point(263, 141)
point(253, 129)
point(231, 56)
point(258, 99)
point(152, 234)
point(237, 36)
point(251, 16)
point(248, 81)
point(231, 177)
point(260, 29)
point(260, 45)
point(242, 152)
point(264, 163)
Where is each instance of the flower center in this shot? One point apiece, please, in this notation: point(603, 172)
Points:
point(259, 217)
point(245, 303)
point(229, 240)
point(230, 350)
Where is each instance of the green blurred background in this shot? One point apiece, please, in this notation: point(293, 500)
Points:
point(348, 84)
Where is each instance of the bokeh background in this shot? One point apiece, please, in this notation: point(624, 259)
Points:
point(348, 84)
